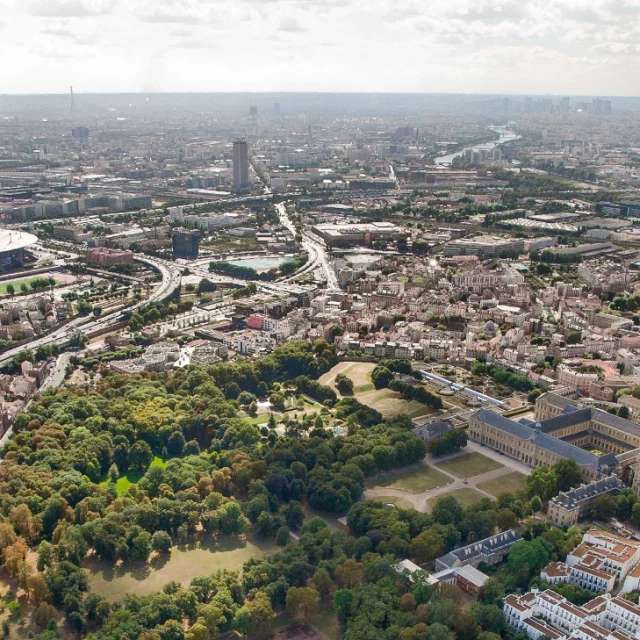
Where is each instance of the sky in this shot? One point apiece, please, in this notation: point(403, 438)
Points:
point(576, 47)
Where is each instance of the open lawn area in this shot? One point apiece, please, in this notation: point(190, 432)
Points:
point(416, 481)
point(399, 502)
point(26, 281)
point(389, 403)
point(358, 372)
point(223, 242)
point(469, 464)
point(466, 497)
point(182, 565)
point(125, 481)
point(514, 481)
point(264, 418)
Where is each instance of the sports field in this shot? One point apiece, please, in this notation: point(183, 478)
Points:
point(59, 278)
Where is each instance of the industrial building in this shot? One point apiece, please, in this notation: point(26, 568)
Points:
point(483, 246)
point(347, 235)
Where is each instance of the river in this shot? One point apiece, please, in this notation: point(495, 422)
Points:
point(505, 136)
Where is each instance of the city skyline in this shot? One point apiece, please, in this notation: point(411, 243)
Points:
point(532, 47)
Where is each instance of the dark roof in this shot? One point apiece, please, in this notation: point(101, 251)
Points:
point(494, 419)
point(485, 547)
point(570, 451)
point(587, 492)
point(539, 434)
point(565, 419)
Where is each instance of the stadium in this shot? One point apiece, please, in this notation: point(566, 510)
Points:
point(12, 246)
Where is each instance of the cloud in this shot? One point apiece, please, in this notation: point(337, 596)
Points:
point(199, 43)
point(174, 11)
point(457, 45)
point(290, 25)
point(70, 8)
point(162, 17)
point(492, 12)
point(618, 48)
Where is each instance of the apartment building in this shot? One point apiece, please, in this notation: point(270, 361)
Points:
point(549, 614)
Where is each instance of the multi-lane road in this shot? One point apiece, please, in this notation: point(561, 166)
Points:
point(171, 277)
point(314, 246)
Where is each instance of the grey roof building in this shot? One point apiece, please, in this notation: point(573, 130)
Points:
point(490, 551)
point(599, 442)
point(432, 430)
point(568, 506)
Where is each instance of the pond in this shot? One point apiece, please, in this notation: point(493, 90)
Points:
point(263, 263)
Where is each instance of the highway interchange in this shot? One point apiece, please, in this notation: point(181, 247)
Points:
point(171, 276)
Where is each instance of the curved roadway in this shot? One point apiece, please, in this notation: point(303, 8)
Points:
point(171, 277)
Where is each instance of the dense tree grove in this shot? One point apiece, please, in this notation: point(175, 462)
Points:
point(502, 376)
point(200, 469)
point(196, 469)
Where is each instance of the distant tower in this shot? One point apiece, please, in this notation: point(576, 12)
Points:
point(240, 164)
point(72, 108)
point(253, 111)
point(276, 108)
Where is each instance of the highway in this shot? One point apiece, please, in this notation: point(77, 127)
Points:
point(171, 278)
point(170, 282)
point(314, 247)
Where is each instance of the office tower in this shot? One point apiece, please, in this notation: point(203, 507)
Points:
point(185, 244)
point(80, 132)
point(601, 107)
point(240, 164)
point(276, 108)
point(253, 111)
point(565, 105)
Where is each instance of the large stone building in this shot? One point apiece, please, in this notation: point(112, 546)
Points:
point(568, 507)
point(599, 442)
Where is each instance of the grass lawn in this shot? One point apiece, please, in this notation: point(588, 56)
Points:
point(389, 403)
point(466, 497)
point(264, 418)
point(124, 482)
point(223, 242)
point(358, 372)
point(182, 565)
point(399, 502)
point(17, 283)
point(469, 464)
point(416, 481)
point(514, 481)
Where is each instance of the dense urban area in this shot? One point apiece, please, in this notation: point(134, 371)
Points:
point(312, 367)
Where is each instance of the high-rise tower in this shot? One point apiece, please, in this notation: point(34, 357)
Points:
point(240, 164)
